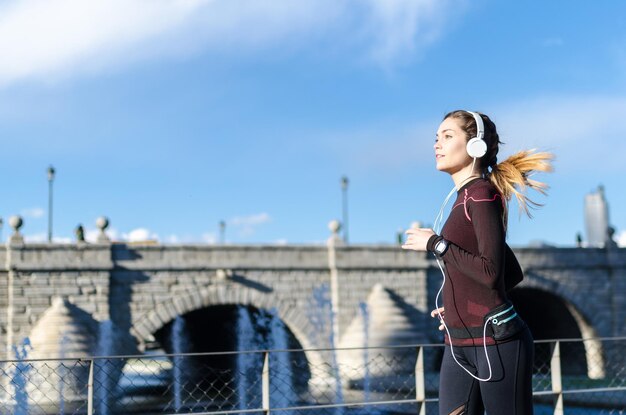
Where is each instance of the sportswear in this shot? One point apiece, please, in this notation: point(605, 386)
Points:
point(479, 269)
point(476, 259)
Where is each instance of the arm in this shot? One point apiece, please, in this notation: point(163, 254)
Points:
point(485, 266)
point(513, 273)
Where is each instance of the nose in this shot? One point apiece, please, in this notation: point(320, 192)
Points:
point(436, 146)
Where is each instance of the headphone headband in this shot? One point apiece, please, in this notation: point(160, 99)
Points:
point(480, 126)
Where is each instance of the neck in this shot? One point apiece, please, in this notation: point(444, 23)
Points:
point(464, 175)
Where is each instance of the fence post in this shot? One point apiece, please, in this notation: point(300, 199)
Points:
point(90, 389)
point(420, 383)
point(557, 384)
point(10, 289)
point(265, 383)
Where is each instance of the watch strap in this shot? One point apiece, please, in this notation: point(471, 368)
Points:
point(432, 242)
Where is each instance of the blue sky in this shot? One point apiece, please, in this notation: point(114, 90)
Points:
point(170, 116)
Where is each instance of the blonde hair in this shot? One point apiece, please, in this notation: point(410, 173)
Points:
point(512, 177)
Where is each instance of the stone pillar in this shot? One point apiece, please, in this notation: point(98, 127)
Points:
point(332, 243)
point(16, 240)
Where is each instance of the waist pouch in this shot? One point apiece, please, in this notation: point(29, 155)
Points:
point(504, 322)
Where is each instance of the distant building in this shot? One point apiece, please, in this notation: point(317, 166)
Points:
point(597, 219)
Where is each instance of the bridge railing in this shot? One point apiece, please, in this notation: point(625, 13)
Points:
point(570, 376)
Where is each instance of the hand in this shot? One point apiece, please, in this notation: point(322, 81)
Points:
point(439, 313)
point(417, 239)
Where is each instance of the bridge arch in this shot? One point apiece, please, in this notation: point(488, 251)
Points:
point(226, 295)
point(551, 316)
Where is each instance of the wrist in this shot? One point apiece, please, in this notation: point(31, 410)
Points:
point(437, 245)
point(432, 241)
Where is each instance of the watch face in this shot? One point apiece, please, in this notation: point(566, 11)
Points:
point(440, 247)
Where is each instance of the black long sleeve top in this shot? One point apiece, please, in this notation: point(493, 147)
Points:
point(477, 258)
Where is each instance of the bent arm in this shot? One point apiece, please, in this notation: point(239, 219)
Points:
point(486, 265)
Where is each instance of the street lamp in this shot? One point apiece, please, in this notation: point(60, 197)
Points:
point(344, 192)
point(1, 224)
point(222, 232)
point(50, 181)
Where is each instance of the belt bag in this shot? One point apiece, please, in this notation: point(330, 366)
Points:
point(504, 321)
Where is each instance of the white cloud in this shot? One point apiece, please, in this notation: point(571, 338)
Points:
point(62, 239)
point(52, 39)
point(36, 238)
point(33, 213)
point(40, 37)
point(172, 239)
point(140, 235)
point(42, 237)
point(91, 234)
point(209, 238)
point(620, 238)
point(135, 235)
point(402, 26)
point(205, 238)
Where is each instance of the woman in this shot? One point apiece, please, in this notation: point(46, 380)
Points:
point(488, 358)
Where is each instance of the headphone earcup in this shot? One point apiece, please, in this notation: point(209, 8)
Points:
point(476, 147)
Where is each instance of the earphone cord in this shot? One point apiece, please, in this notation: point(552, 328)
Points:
point(436, 228)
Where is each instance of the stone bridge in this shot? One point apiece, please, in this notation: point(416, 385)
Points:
point(141, 289)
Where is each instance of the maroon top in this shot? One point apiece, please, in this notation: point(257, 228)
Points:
point(477, 258)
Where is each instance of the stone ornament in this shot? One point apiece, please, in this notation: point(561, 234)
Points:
point(16, 223)
point(102, 223)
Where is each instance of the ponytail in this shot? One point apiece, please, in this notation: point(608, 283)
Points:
point(512, 178)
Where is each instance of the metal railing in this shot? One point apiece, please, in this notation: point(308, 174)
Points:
point(570, 376)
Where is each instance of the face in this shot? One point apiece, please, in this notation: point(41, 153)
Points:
point(450, 147)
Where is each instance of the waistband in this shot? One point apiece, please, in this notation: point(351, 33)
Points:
point(496, 317)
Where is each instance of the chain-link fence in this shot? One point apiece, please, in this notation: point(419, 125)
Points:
point(570, 377)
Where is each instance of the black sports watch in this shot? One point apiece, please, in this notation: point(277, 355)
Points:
point(441, 247)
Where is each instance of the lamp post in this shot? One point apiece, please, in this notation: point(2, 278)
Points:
point(344, 194)
point(1, 225)
point(222, 232)
point(50, 181)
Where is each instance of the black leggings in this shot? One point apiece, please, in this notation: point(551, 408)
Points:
point(509, 392)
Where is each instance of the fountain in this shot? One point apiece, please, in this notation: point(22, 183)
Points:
point(104, 379)
point(363, 309)
point(63, 330)
point(322, 318)
point(245, 361)
point(20, 378)
point(283, 395)
point(62, 373)
point(179, 345)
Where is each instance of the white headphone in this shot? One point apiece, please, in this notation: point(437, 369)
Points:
point(476, 146)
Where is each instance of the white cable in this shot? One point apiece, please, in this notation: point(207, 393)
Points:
point(439, 217)
point(436, 224)
point(450, 337)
